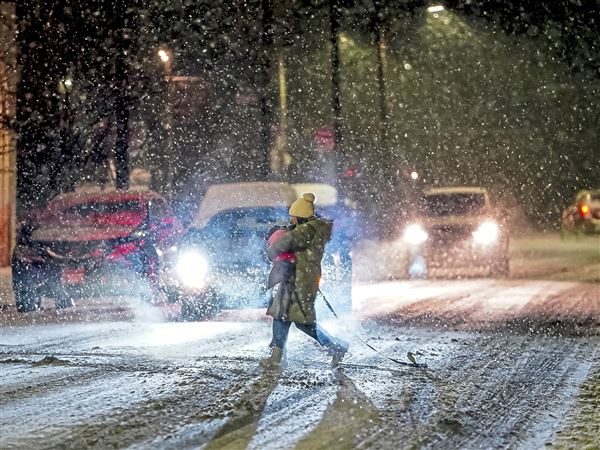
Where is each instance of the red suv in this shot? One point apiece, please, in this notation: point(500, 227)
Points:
point(93, 244)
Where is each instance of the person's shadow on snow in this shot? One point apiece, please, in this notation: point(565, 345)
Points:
point(240, 427)
point(350, 414)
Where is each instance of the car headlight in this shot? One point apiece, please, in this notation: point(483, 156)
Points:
point(192, 269)
point(415, 234)
point(138, 234)
point(487, 233)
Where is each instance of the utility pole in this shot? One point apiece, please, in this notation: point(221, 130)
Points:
point(266, 44)
point(164, 176)
point(334, 21)
point(279, 157)
point(31, 109)
point(380, 42)
point(122, 97)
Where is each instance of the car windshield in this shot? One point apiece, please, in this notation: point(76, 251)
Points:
point(237, 236)
point(459, 204)
point(93, 212)
point(246, 222)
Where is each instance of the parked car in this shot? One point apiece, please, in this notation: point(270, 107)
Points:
point(584, 214)
point(453, 227)
point(221, 261)
point(89, 244)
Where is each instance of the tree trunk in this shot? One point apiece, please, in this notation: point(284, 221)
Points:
point(122, 100)
point(334, 20)
point(266, 113)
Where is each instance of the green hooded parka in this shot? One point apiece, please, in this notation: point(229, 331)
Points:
point(294, 301)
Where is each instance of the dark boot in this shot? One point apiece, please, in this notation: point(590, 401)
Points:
point(338, 352)
point(277, 360)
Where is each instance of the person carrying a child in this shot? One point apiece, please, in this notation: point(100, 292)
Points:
point(296, 252)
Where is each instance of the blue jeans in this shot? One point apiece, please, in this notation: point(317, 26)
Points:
point(281, 329)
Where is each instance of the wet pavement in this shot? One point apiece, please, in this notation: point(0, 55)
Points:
point(505, 359)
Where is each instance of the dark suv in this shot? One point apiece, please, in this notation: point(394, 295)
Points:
point(93, 244)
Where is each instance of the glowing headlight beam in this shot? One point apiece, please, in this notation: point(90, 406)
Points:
point(487, 233)
point(192, 269)
point(415, 234)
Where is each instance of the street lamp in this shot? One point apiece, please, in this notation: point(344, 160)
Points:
point(163, 55)
point(165, 165)
point(436, 8)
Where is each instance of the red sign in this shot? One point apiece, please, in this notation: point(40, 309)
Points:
point(325, 139)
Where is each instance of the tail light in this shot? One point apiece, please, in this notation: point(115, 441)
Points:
point(124, 249)
point(584, 210)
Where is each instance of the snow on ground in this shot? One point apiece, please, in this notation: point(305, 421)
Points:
point(144, 384)
point(505, 360)
point(475, 302)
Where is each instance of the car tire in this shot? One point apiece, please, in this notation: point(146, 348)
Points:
point(173, 295)
point(26, 300)
point(500, 268)
point(417, 267)
point(589, 228)
point(27, 293)
point(198, 309)
point(191, 311)
point(63, 300)
point(339, 296)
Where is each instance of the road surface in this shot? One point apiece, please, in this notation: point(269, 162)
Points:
point(511, 363)
point(505, 362)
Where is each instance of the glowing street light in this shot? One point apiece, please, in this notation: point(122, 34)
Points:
point(165, 165)
point(164, 55)
point(414, 175)
point(68, 83)
point(436, 8)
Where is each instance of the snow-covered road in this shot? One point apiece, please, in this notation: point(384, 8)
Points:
point(505, 362)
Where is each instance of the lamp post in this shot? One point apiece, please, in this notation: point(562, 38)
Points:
point(264, 78)
point(67, 157)
point(122, 76)
point(336, 107)
point(166, 57)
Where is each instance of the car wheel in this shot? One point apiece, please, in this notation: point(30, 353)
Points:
point(63, 300)
point(589, 228)
point(199, 308)
point(26, 299)
point(339, 296)
point(27, 294)
point(417, 268)
point(345, 293)
point(191, 311)
point(173, 295)
point(500, 268)
point(146, 292)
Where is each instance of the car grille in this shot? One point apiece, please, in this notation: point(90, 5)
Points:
point(71, 249)
point(450, 232)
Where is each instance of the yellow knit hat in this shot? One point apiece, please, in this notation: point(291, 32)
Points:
point(303, 207)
